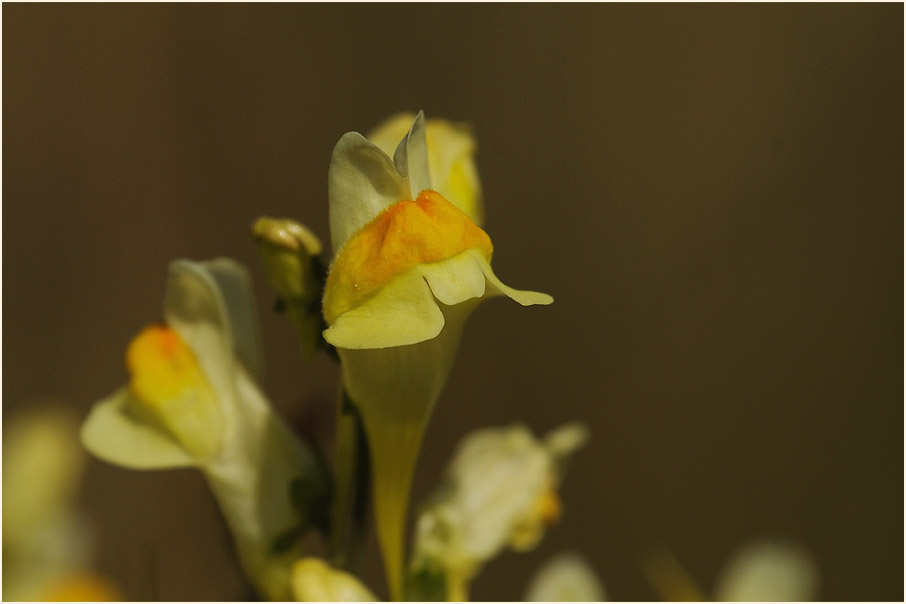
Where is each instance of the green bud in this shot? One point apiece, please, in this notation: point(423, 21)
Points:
point(290, 255)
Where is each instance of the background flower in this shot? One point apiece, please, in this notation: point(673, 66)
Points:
point(191, 401)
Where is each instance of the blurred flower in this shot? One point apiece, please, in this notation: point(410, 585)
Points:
point(765, 570)
point(500, 491)
point(768, 571)
point(193, 400)
point(47, 544)
point(289, 253)
point(566, 577)
point(451, 158)
point(405, 276)
point(314, 580)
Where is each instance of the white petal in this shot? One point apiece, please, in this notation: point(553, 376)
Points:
point(566, 578)
point(411, 157)
point(362, 181)
point(235, 288)
point(195, 308)
point(768, 571)
point(388, 133)
point(113, 434)
point(403, 312)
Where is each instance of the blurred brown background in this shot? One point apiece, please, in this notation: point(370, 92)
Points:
point(713, 194)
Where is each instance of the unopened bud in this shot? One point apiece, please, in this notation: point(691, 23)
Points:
point(289, 252)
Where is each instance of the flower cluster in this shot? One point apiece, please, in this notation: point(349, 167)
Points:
point(409, 263)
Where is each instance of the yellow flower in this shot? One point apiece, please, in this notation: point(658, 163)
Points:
point(451, 158)
point(500, 491)
point(408, 268)
point(193, 400)
point(314, 580)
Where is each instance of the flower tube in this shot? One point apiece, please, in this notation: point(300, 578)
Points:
point(193, 400)
point(408, 269)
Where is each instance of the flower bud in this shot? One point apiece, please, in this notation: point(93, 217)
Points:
point(289, 252)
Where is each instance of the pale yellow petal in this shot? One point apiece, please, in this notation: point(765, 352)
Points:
point(451, 159)
point(113, 434)
point(235, 286)
point(523, 297)
point(42, 466)
point(456, 279)
point(402, 312)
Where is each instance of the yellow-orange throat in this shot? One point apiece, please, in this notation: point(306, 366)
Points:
point(171, 389)
point(403, 236)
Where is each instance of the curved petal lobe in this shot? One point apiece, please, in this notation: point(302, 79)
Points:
point(113, 434)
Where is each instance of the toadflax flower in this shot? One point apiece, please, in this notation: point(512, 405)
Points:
point(408, 268)
point(500, 491)
point(193, 400)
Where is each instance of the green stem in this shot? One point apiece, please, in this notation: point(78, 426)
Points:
point(351, 481)
point(457, 588)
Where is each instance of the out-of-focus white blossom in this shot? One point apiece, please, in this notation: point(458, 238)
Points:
point(567, 577)
point(768, 571)
point(764, 570)
point(500, 491)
